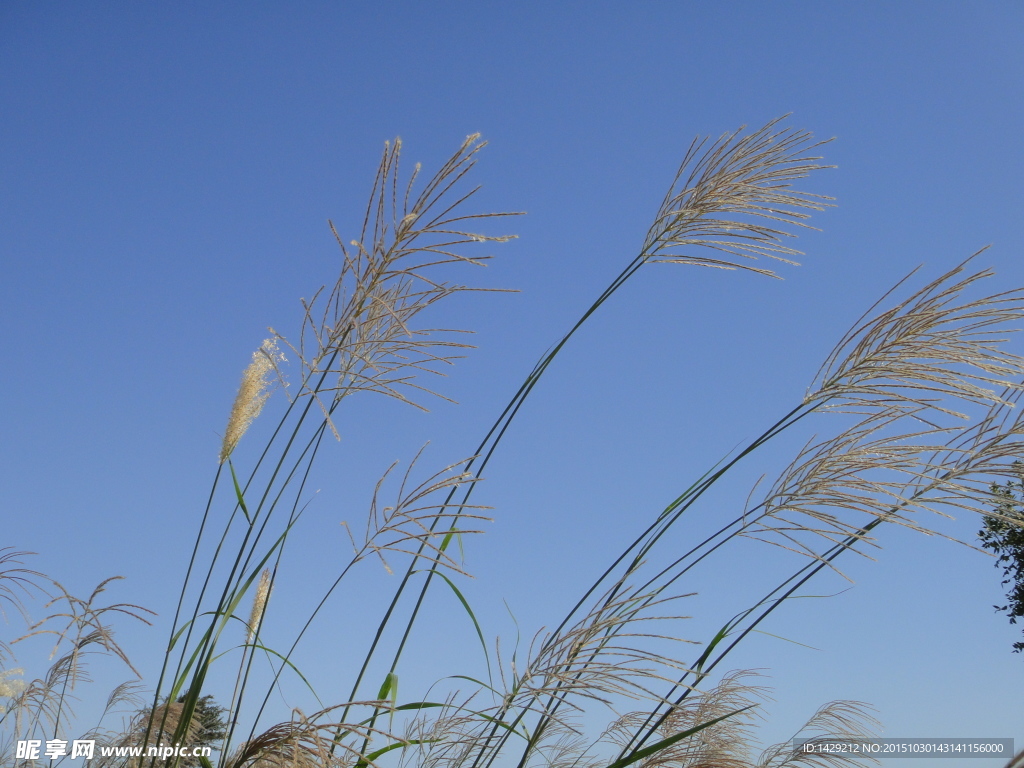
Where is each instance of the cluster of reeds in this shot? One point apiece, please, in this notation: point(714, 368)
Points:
point(918, 402)
point(44, 707)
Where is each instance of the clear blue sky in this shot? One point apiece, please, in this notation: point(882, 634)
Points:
point(166, 177)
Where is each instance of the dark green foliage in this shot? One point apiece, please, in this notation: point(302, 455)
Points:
point(212, 727)
point(1006, 540)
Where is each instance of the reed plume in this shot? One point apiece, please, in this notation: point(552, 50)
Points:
point(849, 721)
point(725, 189)
point(139, 734)
point(360, 335)
point(80, 629)
point(253, 393)
point(10, 685)
point(911, 373)
point(259, 605)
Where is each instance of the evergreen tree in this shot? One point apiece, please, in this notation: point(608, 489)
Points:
point(212, 728)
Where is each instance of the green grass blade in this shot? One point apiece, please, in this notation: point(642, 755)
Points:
point(472, 617)
point(365, 761)
point(238, 493)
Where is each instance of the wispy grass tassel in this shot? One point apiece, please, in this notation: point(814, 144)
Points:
point(253, 393)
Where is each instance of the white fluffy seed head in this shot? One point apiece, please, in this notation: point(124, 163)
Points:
point(259, 604)
point(252, 395)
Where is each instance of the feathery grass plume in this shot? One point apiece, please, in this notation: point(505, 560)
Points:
point(259, 605)
point(714, 203)
point(138, 734)
point(16, 584)
point(310, 741)
point(10, 686)
point(446, 737)
point(721, 190)
point(126, 694)
point(725, 744)
point(564, 745)
point(45, 703)
point(912, 373)
point(601, 659)
point(253, 393)
point(730, 742)
point(84, 621)
point(411, 520)
point(603, 655)
point(862, 470)
point(361, 332)
point(395, 529)
point(43, 707)
point(835, 721)
point(932, 347)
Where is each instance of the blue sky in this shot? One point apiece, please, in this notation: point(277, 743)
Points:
point(167, 177)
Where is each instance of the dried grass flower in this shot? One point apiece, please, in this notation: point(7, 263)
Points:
point(259, 605)
point(361, 334)
point(252, 395)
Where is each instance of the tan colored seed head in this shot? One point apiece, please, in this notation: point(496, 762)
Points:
point(10, 686)
point(259, 604)
point(252, 394)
